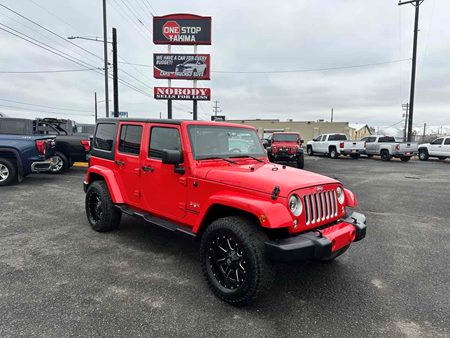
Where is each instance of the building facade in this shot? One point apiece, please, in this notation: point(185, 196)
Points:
point(307, 129)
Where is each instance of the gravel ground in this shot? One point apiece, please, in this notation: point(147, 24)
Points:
point(60, 278)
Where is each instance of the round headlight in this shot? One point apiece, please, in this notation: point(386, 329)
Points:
point(295, 205)
point(340, 195)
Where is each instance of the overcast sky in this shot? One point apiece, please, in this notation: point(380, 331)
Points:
point(247, 36)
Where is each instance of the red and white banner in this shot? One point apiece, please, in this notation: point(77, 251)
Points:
point(174, 93)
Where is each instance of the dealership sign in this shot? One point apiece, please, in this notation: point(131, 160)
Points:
point(181, 66)
point(182, 29)
point(172, 93)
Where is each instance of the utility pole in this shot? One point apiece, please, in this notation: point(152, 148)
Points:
point(105, 57)
point(115, 73)
point(415, 3)
point(216, 108)
point(406, 109)
point(332, 113)
point(95, 96)
point(424, 129)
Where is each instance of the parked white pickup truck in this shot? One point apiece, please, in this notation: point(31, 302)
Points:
point(439, 148)
point(387, 147)
point(335, 145)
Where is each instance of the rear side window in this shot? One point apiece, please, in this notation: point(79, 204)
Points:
point(17, 127)
point(130, 139)
point(447, 140)
point(162, 138)
point(386, 139)
point(104, 136)
point(337, 137)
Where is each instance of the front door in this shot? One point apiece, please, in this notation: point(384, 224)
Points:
point(127, 161)
point(436, 147)
point(164, 190)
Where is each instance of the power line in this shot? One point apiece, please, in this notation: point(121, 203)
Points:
point(51, 32)
point(25, 109)
point(288, 71)
point(44, 106)
point(48, 71)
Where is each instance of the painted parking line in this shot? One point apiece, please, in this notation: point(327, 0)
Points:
point(81, 164)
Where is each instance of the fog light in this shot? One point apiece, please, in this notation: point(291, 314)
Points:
point(295, 223)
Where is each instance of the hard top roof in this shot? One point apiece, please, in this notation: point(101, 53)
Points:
point(174, 122)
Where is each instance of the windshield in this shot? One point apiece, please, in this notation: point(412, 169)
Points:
point(220, 141)
point(285, 137)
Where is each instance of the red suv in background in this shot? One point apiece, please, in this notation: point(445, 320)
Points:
point(213, 181)
point(286, 147)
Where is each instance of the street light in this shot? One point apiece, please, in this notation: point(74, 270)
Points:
point(115, 70)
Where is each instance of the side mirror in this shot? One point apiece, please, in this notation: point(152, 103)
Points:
point(172, 157)
point(265, 143)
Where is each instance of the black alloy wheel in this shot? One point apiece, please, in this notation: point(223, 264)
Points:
point(100, 210)
point(227, 262)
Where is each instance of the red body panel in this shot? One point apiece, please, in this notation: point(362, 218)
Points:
point(186, 198)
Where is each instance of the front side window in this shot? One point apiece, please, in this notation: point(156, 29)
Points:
point(104, 136)
point(163, 138)
point(324, 137)
point(447, 141)
point(221, 141)
point(130, 139)
point(437, 141)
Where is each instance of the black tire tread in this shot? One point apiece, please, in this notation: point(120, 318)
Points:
point(248, 232)
point(111, 215)
point(12, 178)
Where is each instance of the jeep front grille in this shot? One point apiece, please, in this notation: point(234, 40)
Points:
point(320, 206)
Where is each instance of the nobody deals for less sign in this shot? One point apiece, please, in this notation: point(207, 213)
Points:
point(182, 29)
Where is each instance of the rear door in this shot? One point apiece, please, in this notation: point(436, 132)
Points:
point(371, 145)
point(164, 190)
point(127, 160)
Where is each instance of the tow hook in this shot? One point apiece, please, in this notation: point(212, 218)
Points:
point(319, 232)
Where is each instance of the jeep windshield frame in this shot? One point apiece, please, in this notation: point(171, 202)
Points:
point(209, 141)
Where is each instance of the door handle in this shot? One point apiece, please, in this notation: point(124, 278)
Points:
point(146, 169)
point(119, 162)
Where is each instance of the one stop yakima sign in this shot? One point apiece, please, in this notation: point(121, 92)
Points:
point(182, 29)
point(171, 93)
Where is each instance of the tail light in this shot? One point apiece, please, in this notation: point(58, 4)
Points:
point(40, 146)
point(397, 147)
point(341, 145)
point(86, 144)
point(365, 144)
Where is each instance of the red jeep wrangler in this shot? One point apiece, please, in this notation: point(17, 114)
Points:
point(189, 176)
point(286, 147)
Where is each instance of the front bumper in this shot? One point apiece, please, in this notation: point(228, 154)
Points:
point(42, 166)
point(317, 244)
point(282, 155)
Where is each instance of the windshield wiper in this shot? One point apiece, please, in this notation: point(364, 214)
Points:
point(252, 157)
point(217, 158)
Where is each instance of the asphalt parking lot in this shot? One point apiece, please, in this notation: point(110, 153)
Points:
point(60, 278)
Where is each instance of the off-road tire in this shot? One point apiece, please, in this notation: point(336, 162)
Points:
point(9, 172)
point(385, 156)
point(110, 215)
point(310, 151)
point(355, 156)
point(405, 158)
point(331, 257)
point(333, 153)
point(258, 269)
point(300, 161)
point(423, 155)
point(62, 164)
point(442, 158)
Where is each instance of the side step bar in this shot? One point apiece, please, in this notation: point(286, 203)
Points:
point(168, 225)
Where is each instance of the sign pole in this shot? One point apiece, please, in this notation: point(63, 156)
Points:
point(169, 102)
point(194, 104)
